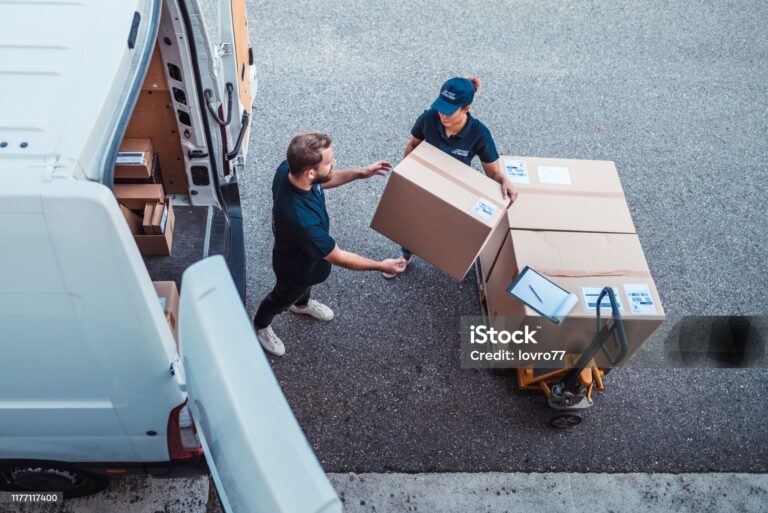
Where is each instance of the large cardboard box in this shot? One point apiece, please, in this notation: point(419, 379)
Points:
point(562, 195)
point(440, 209)
point(582, 263)
point(136, 196)
point(134, 159)
point(159, 245)
point(168, 295)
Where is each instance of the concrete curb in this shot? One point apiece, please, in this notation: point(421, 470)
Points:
point(490, 492)
point(552, 492)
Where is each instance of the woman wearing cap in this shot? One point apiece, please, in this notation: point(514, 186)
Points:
point(448, 125)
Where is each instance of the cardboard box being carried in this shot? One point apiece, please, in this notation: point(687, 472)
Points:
point(582, 263)
point(168, 295)
point(440, 209)
point(134, 159)
point(562, 195)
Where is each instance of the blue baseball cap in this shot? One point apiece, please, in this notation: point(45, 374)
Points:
point(455, 93)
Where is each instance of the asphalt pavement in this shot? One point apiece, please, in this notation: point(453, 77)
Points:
point(674, 93)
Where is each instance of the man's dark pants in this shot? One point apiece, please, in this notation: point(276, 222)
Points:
point(279, 300)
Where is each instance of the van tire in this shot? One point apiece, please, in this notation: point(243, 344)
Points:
point(47, 476)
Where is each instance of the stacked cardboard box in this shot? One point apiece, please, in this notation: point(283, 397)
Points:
point(134, 159)
point(139, 191)
point(569, 195)
point(137, 162)
point(581, 263)
point(572, 224)
point(440, 209)
point(149, 216)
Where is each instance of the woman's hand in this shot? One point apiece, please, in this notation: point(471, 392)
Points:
point(508, 190)
point(493, 170)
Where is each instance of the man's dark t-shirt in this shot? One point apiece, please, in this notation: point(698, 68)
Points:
point(473, 139)
point(300, 224)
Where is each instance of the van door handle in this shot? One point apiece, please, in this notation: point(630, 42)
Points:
point(243, 126)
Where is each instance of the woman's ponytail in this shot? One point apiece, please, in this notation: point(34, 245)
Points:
point(475, 82)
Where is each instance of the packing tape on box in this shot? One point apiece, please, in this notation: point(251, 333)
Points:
point(595, 274)
point(565, 192)
point(466, 186)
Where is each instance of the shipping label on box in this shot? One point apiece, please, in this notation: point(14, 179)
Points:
point(590, 296)
point(641, 300)
point(130, 158)
point(554, 175)
point(516, 170)
point(484, 208)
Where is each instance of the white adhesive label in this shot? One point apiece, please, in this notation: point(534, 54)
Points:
point(130, 157)
point(640, 299)
point(517, 171)
point(554, 175)
point(162, 302)
point(590, 295)
point(164, 220)
point(484, 208)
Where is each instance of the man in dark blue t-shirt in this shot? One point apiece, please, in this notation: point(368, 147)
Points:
point(304, 251)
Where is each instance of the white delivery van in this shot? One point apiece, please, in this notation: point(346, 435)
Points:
point(92, 382)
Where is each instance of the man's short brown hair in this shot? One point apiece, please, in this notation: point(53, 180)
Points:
point(306, 151)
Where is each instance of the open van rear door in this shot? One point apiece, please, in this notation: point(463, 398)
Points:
point(235, 71)
point(259, 458)
point(237, 66)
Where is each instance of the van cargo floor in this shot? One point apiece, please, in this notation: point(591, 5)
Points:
point(189, 242)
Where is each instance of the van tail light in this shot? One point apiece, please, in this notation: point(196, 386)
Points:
point(183, 443)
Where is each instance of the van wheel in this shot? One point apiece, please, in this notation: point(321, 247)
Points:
point(50, 477)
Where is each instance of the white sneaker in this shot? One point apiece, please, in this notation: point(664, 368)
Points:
point(270, 342)
point(314, 308)
point(407, 261)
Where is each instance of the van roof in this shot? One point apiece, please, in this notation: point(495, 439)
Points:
point(63, 67)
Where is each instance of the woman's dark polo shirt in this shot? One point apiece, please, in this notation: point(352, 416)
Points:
point(473, 139)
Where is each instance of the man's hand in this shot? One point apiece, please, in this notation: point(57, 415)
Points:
point(355, 262)
point(508, 190)
point(343, 176)
point(380, 168)
point(393, 265)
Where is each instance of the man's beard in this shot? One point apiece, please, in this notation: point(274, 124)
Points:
point(325, 179)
